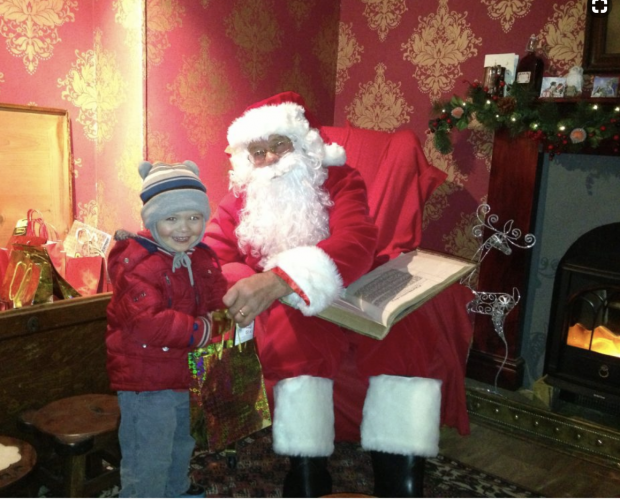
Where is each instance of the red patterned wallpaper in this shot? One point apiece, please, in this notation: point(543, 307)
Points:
point(164, 79)
point(396, 57)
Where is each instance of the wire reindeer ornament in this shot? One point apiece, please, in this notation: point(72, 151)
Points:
point(496, 304)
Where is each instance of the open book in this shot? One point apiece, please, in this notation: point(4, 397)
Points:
point(373, 303)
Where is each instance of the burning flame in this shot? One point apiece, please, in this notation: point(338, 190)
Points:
point(604, 341)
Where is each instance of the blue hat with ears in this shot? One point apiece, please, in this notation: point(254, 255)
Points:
point(171, 188)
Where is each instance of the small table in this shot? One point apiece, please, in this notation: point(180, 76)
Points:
point(21, 468)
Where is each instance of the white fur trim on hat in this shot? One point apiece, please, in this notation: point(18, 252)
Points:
point(286, 119)
point(335, 155)
point(259, 123)
point(314, 272)
point(303, 419)
point(401, 415)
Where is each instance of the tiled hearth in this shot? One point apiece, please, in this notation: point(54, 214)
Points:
point(538, 415)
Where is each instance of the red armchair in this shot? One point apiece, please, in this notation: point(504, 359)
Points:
point(399, 181)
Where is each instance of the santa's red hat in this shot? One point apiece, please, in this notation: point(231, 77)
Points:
point(282, 114)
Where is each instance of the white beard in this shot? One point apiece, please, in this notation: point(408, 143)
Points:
point(285, 205)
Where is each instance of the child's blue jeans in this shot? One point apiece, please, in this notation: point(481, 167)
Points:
point(156, 444)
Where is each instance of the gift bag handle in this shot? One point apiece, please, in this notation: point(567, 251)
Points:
point(38, 227)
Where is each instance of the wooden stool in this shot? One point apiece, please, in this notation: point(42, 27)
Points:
point(80, 434)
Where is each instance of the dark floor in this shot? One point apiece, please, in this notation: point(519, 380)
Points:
point(534, 467)
point(549, 470)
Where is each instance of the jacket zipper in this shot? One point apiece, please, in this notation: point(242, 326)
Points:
point(169, 290)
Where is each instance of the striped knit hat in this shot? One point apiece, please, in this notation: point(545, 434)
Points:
point(171, 188)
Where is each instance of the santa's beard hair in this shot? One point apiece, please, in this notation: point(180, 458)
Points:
point(285, 205)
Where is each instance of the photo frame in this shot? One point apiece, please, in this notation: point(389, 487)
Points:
point(600, 50)
point(604, 86)
point(553, 87)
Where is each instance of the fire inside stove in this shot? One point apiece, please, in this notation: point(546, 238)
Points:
point(594, 323)
point(583, 345)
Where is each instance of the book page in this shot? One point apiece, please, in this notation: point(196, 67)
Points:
point(373, 303)
point(404, 281)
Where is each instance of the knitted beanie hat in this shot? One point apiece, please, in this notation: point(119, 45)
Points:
point(282, 114)
point(169, 189)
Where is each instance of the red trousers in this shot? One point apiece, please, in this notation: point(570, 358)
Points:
point(431, 342)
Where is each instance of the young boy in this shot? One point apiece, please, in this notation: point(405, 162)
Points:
point(165, 284)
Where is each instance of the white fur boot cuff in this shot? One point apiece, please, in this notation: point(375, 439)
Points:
point(401, 415)
point(303, 420)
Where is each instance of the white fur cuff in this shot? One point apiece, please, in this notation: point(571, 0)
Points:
point(401, 415)
point(314, 272)
point(303, 420)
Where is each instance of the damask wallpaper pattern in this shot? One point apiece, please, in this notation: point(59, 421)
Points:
point(397, 57)
point(164, 79)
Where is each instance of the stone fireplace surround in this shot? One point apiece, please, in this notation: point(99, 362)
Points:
point(577, 194)
point(558, 200)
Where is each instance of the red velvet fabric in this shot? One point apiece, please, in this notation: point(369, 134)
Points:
point(431, 342)
point(400, 180)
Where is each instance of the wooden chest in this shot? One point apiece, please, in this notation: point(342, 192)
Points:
point(51, 351)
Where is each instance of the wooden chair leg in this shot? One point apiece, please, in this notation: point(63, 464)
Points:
point(74, 472)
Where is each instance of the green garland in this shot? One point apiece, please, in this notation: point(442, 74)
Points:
point(588, 125)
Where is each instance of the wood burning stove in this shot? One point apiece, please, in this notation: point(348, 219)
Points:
point(583, 343)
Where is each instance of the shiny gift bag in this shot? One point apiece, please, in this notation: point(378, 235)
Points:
point(28, 279)
point(227, 392)
point(31, 278)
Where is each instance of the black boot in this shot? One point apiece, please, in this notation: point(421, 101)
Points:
point(308, 477)
point(397, 475)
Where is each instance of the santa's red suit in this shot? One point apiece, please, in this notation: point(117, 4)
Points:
point(302, 353)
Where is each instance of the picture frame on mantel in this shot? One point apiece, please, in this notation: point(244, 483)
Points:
point(604, 86)
point(601, 49)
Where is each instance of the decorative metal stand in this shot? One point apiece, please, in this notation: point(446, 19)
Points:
point(497, 305)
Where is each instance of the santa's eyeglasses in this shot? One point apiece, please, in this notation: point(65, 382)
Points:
point(278, 145)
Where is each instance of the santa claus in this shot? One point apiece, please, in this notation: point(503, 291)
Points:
point(296, 223)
